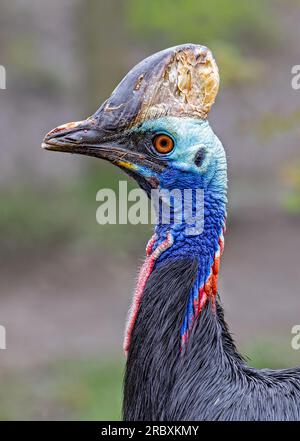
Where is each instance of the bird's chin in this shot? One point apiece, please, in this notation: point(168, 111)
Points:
point(145, 183)
point(129, 162)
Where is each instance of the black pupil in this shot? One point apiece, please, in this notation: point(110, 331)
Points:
point(164, 142)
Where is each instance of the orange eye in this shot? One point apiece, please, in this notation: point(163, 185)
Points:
point(163, 143)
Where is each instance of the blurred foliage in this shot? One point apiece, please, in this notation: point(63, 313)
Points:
point(237, 32)
point(29, 74)
point(228, 27)
point(235, 68)
point(22, 52)
point(291, 179)
point(92, 390)
point(71, 389)
point(103, 47)
point(270, 354)
point(200, 20)
point(272, 123)
point(291, 204)
point(33, 217)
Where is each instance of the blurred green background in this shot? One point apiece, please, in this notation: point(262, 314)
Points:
point(66, 282)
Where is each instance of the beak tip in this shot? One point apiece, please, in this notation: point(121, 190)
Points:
point(46, 146)
point(60, 138)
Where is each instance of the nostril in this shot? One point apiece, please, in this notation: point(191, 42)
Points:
point(73, 138)
point(65, 130)
point(72, 134)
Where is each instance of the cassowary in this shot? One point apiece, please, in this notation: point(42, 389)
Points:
point(182, 363)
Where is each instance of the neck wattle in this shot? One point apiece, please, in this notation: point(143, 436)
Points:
point(151, 257)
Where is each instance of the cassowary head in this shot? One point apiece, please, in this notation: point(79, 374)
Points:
point(154, 127)
point(154, 124)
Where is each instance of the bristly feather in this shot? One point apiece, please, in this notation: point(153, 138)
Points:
point(209, 380)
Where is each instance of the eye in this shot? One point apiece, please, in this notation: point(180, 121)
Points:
point(163, 143)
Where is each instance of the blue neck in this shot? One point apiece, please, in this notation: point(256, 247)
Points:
point(205, 246)
point(204, 243)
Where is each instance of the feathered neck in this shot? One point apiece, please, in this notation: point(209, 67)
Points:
point(173, 241)
point(157, 364)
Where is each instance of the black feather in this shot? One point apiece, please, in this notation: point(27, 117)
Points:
point(208, 380)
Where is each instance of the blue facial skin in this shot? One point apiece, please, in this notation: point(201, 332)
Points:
point(191, 135)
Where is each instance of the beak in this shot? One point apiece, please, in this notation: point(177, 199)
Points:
point(84, 138)
point(90, 138)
